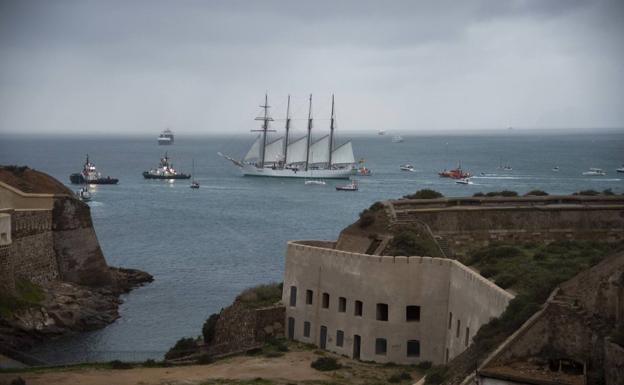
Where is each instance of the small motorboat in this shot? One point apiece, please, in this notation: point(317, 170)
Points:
point(317, 182)
point(83, 194)
point(353, 186)
point(194, 183)
point(407, 167)
point(593, 171)
point(464, 181)
point(507, 168)
point(555, 169)
point(621, 169)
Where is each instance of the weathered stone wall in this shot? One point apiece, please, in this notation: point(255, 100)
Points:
point(76, 246)
point(438, 286)
point(240, 328)
point(7, 280)
point(614, 364)
point(468, 223)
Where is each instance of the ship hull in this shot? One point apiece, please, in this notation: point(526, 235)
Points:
point(79, 179)
point(147, 175)
point(250, 170)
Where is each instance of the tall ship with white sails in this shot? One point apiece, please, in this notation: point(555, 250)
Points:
point(296, 158)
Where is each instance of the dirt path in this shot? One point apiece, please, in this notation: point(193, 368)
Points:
point(294, 367)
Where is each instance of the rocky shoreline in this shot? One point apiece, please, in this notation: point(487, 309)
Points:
point(68, 308)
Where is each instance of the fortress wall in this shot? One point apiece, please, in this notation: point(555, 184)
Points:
point(11, 197)
point(473, 302)
point(468, 228)
point(395, 281)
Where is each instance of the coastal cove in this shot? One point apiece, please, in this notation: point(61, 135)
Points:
point(204, 247)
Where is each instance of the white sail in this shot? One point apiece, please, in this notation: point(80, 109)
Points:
point(343, 154)
point(254, 151)
point(297, 151)
point(273, 151)
point(319, 151)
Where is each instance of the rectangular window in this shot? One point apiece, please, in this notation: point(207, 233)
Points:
point(450, 320)
point(306, 329)
point(325, 301)
point(381, 346)
point(357, 310)
point(413, 348)
point(412, 313)
point(309, 295)
point(458, 327)
point(382, 312)
point(467, 336)
point(293, 296)
point(342, 304)
point(339, 338)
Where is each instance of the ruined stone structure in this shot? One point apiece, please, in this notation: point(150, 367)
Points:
point(463, 224)
point(568, 341)
point(385, 309)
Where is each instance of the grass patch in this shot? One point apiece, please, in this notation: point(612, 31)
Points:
point(261, 295)
point(27, 294)
point(325, 364)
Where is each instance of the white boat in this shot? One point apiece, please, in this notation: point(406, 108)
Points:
point(353, 186)
point(555, 169)
point(381, 132)
point(165, 137)
point(397, 139)
point(621, 169)
point(83, 194)
point(299, 158)
point(464, 181)
point(194, 183)
point(407, 167)
point(318, 182)
point(593, 171)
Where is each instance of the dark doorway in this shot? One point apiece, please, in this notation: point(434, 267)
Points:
point(291, 328)
point(357, 341)
point(323, 343)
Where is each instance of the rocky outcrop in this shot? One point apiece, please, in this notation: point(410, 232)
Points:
point(68, 308)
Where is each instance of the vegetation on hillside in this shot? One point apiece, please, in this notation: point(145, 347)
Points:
point(208, 329)
point(607, 192)
point(368, 216)
point(424, 194)
point(504, 193)
point(539, 193)
point(184, 347)
point(27, 294)
point(412, 241)
point(261, 295)
point(533, 272)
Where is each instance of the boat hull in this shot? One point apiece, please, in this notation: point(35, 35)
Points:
point(79, 179)
point(147, 175)
point(250, 170)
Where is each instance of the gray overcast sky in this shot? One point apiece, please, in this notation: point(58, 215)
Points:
point(203, 66)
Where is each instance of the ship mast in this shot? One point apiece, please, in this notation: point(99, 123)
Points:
point(331, 134)
point(265, 127)
point(309, 134)
point(287, 130)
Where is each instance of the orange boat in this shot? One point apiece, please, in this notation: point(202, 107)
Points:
point(456, 173)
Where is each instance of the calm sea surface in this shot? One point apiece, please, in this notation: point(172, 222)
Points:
point(204, 246)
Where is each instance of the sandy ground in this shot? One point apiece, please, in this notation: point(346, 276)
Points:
point(294, 366)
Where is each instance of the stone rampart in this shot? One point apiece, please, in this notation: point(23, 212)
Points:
point(470, 223)
point(384, 308)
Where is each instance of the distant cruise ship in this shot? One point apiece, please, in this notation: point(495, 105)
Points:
point(165, 137)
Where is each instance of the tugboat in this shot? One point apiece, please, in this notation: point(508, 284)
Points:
point(165, 137)
point(165, 170)
point(457, 173)
point(90, 175)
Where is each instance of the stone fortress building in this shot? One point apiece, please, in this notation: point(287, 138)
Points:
point(346, 297)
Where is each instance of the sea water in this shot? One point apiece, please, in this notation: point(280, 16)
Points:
point(205, 246)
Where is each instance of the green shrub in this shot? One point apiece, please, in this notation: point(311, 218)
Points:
point(204, 359)
point(150, 363)
point(488, 271)
point(478, 194)
point(325, 364)
point(505, 280)
point(436, 375)
point(424, 194)
point(117, 364)
point(587, 193)
point(17, 170)
point(208, 329)
point(376, 206)
point(399, 377)
point(261, 295)
point(184, 347)
point(424, 365)
point(608, 192)
point(367, 218)
point(504, 193)
point(536, 193)
point(407, 243)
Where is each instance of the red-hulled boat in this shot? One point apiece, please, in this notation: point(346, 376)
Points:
point(456, 173)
